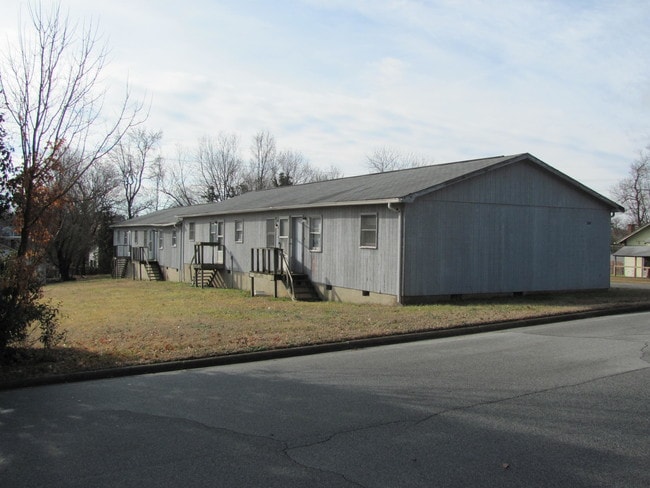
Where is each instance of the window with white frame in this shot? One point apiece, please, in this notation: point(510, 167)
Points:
point(283, 233)
point(216, 232)
point(191, 231)
point(125, 238)
point(239, 231)
point(173, 237)
point(270, 232)
point(161, 242)
point(315, 234)
point(368, 231)
point(135, 237)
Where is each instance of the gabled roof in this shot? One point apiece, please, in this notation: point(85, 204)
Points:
point(632, 234)
point(390, 187)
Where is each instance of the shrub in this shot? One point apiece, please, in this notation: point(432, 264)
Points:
point(22, 308)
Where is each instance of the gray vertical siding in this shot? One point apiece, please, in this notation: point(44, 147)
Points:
point(169, 255)
point(515, 229)
point(344, 263)
point(340, 263)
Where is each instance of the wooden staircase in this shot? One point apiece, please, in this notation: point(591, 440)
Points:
point(303, 289)
point(120, 267)
point(207, 277)
point(206, 263)
point(153, 271)
point(273, 261)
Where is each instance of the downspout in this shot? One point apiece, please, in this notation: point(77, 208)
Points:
point(400, 250)
point(181, 258)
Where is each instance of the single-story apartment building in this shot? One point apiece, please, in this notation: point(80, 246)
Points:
point(499, 225)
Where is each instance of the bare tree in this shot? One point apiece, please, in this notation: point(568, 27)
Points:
point(177, 184)
point(633, 191)
point(387, 158)
point(49, 88)
point(220, 166)
point(331, 173)
point(383, 159)
point(262, 168)
point(292, 166)
point(133, 156)
point(6, 171)
point(157, 174)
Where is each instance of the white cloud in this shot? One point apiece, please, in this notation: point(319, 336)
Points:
point(566, 81)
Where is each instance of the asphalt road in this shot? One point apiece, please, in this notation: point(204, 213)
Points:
point(566, 404)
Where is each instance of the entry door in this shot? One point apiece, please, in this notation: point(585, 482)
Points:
point(297, 244)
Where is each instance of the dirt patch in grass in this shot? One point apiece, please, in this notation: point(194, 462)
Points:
point(113, 323)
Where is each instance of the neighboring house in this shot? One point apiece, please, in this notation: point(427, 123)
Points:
point(508, 224)
point(8, 237)
point(5, 251)
point(9, 243)
point(633, 259)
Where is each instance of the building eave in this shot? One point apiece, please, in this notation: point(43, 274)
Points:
point(357, 203)
point(126, 223)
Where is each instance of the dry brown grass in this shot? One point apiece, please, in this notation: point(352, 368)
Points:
point(121, 322)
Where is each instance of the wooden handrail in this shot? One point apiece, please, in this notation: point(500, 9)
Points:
point(273, 260)
point(216, 258)
point(266, 260)
point(285, 265)
point(139, 253)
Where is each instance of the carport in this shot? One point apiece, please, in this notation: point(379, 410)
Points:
point(632, 262)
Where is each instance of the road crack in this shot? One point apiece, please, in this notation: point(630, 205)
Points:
point(415, 423)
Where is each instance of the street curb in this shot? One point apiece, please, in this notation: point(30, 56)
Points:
point(249, 357)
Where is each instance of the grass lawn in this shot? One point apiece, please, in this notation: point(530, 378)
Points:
point(122, 322)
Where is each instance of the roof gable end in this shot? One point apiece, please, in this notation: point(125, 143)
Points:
point(508, 160)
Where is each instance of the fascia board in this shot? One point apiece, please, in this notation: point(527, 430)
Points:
point(357, 203)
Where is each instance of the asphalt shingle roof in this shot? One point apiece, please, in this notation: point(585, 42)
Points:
point(373, 188)
point(634, 251)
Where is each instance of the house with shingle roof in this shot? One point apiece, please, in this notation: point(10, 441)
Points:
point(499, 225)
point(633, 259)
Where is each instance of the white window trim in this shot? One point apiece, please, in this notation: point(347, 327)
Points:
point(320, 233)
point(362, 230)
point(284, 239)
point(272, 233)
point(219, 230)
point(191, 231)
point(239, 240)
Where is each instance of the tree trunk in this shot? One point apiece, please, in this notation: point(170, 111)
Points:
point(64, 266)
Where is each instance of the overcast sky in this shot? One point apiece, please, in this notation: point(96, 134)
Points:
point(566, 80)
